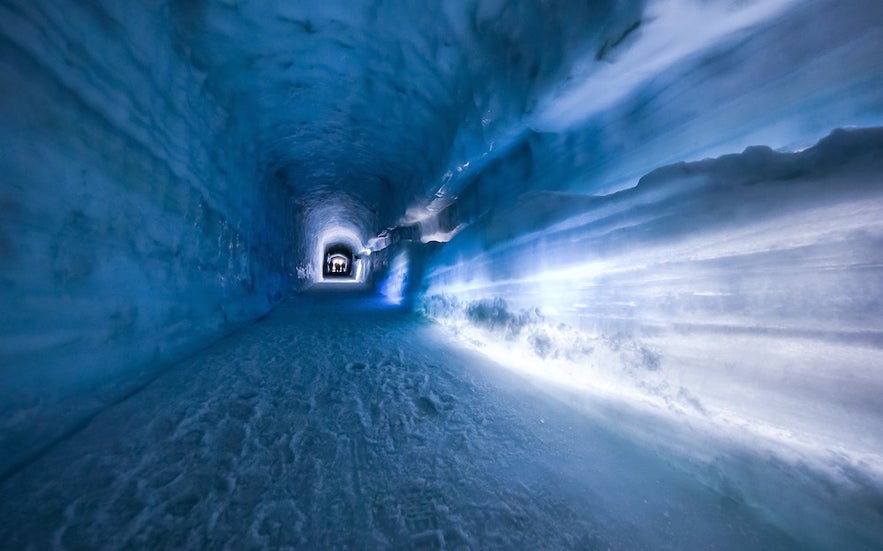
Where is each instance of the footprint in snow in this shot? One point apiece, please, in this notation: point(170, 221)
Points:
point(356, 367)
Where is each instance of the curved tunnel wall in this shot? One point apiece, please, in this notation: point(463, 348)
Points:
point(132, 229)
point(170, 169)
point(700, 241)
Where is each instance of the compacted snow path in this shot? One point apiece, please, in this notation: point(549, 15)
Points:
point(338, 423)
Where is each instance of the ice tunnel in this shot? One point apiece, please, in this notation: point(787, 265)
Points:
point(441, 274)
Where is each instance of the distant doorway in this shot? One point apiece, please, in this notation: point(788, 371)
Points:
point(338, 262)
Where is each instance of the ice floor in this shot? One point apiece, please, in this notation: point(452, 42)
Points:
point(338, 423)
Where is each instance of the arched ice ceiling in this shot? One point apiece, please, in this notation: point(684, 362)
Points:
point(362, 103)
point(379, 112)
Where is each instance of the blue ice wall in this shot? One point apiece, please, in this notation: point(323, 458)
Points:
point(680, 227)
point(360, 107)
point(733, 307)
point(135, 223)
point(781, 74)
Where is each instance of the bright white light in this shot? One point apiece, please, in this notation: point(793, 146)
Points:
point(602, 375)
point(739, 369)
point(430, 232)
point(337, 235)
point(393, 287)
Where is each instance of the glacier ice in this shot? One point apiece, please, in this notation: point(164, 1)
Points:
point(763, 329)
point(664, 214)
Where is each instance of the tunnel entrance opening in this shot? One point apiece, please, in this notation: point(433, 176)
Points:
point(338, 262)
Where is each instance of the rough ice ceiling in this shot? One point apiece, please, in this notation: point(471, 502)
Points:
point(569, 177)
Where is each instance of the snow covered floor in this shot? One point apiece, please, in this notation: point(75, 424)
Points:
point(338, 423)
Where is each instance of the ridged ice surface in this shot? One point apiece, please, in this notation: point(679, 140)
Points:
point(337, 422)
point(738, 297)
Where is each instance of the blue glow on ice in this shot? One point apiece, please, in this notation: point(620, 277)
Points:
point(393, 287)
point(739, 277)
